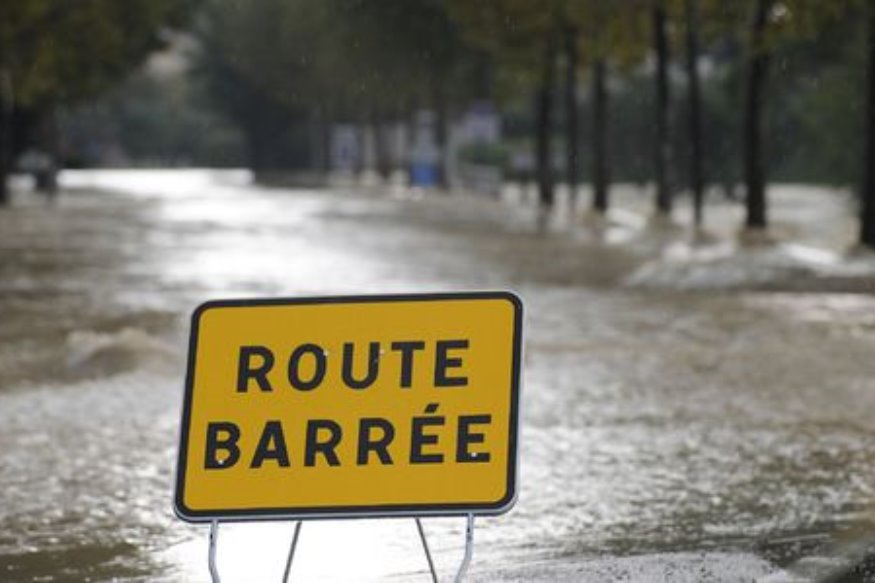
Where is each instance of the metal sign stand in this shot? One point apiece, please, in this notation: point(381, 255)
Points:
point(425, 548)
point(214, 535)
point(292, 551)
point(460, 574)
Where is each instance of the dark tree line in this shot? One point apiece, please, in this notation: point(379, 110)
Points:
point(611, 35)
point(286, 71)
point(59, 53)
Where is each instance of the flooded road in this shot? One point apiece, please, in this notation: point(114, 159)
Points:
point(713, 430)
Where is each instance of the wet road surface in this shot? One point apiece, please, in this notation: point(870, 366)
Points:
point(676, 432)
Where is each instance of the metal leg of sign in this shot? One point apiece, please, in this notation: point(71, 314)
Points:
point(434, 576)
point(211, 557)
point(292, 548)
point(469, 549)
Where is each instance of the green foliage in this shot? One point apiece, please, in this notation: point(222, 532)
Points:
point(54, 52)
point(349, 55)
point(819, 97)
point(156, 117)
point(278, 68)
point(284, 69)
point(485, 154)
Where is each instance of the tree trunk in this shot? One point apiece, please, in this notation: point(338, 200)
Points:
point(697, 180)
point(314, 146)
point(441, 121)
point(572, 131)
point(409, 142)
point(663, 140)
point(5, 148)
point(49, 141)
point(867, 206)
point(325, 127)
point(381, 147)
point(600, 143)
point(361, 162)
point(257, 151)
point(6, 121)
point(754, 170)
point(543, 130)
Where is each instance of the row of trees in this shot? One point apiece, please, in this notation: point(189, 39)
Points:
point(308, 65)
point(54, 54)
point(285, 71)
point(598, 37)
point(293, 63)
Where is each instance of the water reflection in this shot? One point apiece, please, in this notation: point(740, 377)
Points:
point(359, 550)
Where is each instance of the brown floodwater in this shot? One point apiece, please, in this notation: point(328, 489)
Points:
point(677, 424)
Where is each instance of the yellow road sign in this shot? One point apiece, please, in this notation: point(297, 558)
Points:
point(351, 406)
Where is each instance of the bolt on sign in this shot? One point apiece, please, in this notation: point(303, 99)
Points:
point(401, 405)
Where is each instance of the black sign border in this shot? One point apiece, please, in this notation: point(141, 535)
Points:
point(359, 511)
